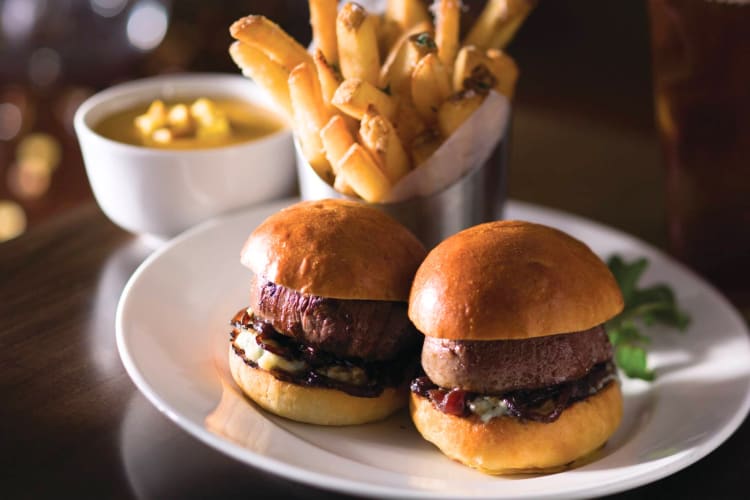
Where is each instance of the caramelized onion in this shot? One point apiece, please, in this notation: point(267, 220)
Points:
point(540, 405)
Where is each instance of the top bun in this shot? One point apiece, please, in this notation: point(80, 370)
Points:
point(335, 248)
point(511, 280)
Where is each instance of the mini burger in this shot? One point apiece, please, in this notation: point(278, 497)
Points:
point(326, 338)
point(518, 367)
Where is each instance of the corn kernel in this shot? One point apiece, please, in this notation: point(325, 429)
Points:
point(203, 109)
point(145, 125)
point(162, 136)
point(216, 129)
point(158, 112)
point(180, 121)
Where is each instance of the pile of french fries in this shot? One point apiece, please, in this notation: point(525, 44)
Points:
point(379, 93)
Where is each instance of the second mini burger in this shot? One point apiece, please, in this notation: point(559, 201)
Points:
point(518, 368)
point(326, 338)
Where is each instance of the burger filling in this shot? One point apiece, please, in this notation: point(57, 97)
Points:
point(534, 379)
point(261, 346)
point(367, 329)
point(541, 405)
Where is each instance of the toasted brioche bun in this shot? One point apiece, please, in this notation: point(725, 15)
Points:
point(335, 248)
point(508, 445)
point(312, 405)
point(511, 280)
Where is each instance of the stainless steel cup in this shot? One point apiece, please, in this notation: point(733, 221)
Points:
point(478, 196)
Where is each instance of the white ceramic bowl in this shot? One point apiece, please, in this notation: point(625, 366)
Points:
point(160, 193)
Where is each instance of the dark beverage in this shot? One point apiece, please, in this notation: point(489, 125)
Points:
point(701, 63)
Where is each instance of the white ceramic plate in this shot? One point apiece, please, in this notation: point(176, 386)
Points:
point(172, 334)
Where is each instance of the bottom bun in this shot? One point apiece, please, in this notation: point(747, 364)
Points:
point(312, 405)
point(508, 445)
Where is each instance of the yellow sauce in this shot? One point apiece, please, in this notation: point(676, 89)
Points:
point(246, 120)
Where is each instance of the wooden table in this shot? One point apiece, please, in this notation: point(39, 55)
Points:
point(72, 423)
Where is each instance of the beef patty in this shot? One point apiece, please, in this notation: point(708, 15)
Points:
point(367, 329)
point(494, 367)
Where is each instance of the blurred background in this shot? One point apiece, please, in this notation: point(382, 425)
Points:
point(55, 53)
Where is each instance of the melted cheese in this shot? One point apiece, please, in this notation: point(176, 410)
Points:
point(351, 375)
point(488, 407)
point(265, 359)
point(246, 340)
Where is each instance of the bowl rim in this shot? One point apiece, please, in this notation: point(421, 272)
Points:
point(209, 80)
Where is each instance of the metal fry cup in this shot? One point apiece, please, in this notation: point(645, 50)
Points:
point(461, 185)
point(478, 196)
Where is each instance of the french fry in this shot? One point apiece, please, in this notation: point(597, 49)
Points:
point(336, 139)
point(323, 21)
point(343, 187)
point(420, 44)
point(505, 70)
point(497, 15)
point(481, 80)
point(379, 137)
point(427, 87)
point(424, 146)
point(467, 73)
point(506, 31)
point(430, 86)
point(263, 34)
point(354, 97)
point(310, 115)
point(481, 33)
point(389, 32)
point(268, 74)
point(409, 124)
point(493, 14)
point(364, 176)
point(456, 110)
point(417, 46)
point(401, 59)
point(329, 79)
point(447, 24)
point(406, 13)
point(357, 44)
point(468, 58)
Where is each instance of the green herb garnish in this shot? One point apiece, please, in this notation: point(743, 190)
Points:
point(643, 307)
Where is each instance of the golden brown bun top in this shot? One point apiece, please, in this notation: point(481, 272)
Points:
point(335, 248)
point(511, 280)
